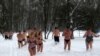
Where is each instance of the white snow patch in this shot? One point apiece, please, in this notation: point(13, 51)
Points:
point(10, 47)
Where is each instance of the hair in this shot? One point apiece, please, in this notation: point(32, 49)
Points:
point(67, 27)
point(89, 28)
point(34, 28)
point(24, 30)
point(56, 27)
point(31, 34)
point(19, 31)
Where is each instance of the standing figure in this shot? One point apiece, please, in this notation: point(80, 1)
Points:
point(32, 44)
point(20, 39)
point(24, 37)
point(67, 38)
point(56, 34)
point(6, 34)
point(89, 38)
point(39, 42)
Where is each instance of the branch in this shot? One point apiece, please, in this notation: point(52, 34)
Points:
point(75, 8)
point(77, 27)
point(95, 5)
point(2, 25)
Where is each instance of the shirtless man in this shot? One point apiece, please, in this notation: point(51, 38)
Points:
point(56, 34)
point(67, 38)
point(20, 39)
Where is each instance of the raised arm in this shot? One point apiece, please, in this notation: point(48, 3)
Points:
point(95, 34)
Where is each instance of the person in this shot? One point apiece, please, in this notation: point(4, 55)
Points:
point(28, 33)
point(32, 44)
point(6, 34)
point(67, 38)
point(36, 31)
point(39, 42)
point(20, 39)
point(24, 37)
point(56, 34)
point(89, 38)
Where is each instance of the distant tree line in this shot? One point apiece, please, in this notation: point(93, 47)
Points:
point(18, 15)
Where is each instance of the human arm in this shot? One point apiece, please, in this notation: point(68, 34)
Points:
point(95, 34)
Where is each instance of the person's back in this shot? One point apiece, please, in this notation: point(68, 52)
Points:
point(23, 36)
point(67, 34)
point(56, 32)
point(20, 36)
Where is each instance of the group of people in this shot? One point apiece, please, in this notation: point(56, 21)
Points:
point(67, 33)
point(34, 40)
point(8, 35)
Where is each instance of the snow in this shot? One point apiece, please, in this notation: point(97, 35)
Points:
point(10, 47)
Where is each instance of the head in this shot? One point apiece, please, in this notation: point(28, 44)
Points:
point(20, 32)
point(34, 28)
point(32, 34)
point(56, 27)
point(89, 29)
point(67, 29)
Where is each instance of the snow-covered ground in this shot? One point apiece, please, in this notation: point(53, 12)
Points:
point(9, 47)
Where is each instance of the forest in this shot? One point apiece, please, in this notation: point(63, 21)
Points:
point(18, 15)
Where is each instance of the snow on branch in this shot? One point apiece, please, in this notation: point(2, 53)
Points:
point(75, 8)
point(96, 5)
point(77, 27)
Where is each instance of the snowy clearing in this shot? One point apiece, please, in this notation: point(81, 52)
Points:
point(9, 48)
